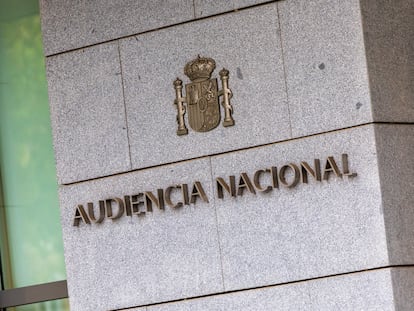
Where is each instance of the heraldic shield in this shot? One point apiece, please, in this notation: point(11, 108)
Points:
point(203, 105)
point(202, 97)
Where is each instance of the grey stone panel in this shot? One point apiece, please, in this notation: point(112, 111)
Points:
point(69, 25)
point(247, 46)
point(403, 286)
point(88, 113)
point(210, 7)
point(389, 41)
point(325, 62)
point(308, 231)
point(160, 256)
point(395, 145)
point(371, 290)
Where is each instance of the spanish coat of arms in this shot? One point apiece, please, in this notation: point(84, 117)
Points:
point(202, 97)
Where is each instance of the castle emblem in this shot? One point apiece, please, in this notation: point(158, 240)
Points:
point(202, 97)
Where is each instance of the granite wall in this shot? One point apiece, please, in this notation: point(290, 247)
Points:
point(322, 84)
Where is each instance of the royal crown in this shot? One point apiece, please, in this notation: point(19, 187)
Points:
point(200, 68)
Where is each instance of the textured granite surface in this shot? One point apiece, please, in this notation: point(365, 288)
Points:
point(371, 290)
point(403, 287)
point(310, 230)
point(160, 256)
point(69, 25)
point(389, 41)
point(247, 46)
point(289, 234)
point(88, 113)
point(210, 7)
point(325, 63)
point(395, 147)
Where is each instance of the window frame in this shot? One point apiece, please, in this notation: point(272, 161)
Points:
point(33, 294)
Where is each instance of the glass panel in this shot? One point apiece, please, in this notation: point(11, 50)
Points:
point(54, 305)
point(32, 250)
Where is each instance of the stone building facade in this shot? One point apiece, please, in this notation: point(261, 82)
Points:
point(305, 203)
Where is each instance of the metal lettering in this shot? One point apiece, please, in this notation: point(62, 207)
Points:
point(231, 189)
point(150, 199)
point(168, 197)
point(264, 180)
point(184, 191)
point(245, 183)
point(331, 167)
point(136, 201)
point(127, 201)
point(282, 176)
point(121, 208)
point(101, 212)
point(316, 173)
point(80, 214)
point(275, 180)
point(198, 191)
point(256, 181)
point(345, 166)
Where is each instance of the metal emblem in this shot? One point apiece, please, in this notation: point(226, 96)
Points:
point(202, 97)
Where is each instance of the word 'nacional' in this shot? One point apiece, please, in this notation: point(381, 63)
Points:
point(176, 196)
